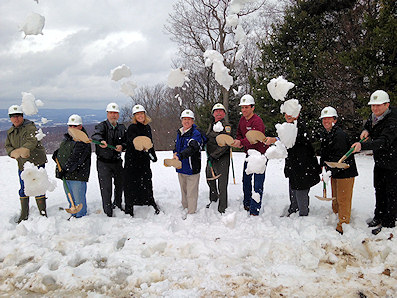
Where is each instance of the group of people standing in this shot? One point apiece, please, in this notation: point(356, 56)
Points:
point(135, 178)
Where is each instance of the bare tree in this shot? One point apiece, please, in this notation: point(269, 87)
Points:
point(200, 25)
point(160, 105)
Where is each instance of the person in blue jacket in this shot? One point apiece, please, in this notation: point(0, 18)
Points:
point(188, 150)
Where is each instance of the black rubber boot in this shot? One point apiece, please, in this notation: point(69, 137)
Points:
point(156, 208)
point(24, 209)
point(42, 206)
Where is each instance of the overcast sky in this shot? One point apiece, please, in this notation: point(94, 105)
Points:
point(69, 66)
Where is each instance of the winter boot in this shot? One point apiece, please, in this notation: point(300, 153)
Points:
point(24, 209)
point(41, 205)
point(129, 209)
point(156, 208)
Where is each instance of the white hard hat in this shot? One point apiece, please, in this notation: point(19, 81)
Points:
point(218, 106)
point(138, 108)
point(15, 109)
point(379, 97)
point(113, 107)
point(187, 114)
point(75, 120)
point(247, 100)
point(328, 112)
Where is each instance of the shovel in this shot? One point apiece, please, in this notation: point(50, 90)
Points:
point(80, 136)
point(171, 162)
point(255, 136)
point(143, 143)
point(224, 140)
point(340, 164)
point(74, 209)
point(214, 177)
point(324, 197)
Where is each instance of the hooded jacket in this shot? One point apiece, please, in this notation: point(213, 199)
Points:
point(25, 136)
point(188, 149)
point(74, 158)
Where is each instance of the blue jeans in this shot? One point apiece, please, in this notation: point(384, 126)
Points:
point(249, 203)
point(22, 184)
point(78, 190)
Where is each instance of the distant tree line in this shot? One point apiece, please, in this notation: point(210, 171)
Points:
point(336, 52)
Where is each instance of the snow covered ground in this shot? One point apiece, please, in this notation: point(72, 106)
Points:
point(206, 255)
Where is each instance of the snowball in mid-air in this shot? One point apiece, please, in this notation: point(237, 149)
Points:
point(36, 180)
point(218, 127)
point(40, 135)
point(128, 88)
point(277, 151)
point(256, 162)
point(278, 88)
point(240, 37)
point(122, 71)
point(177, 77)
point(232, 21)
point(34, 24)
point(221, 72)
point(29, 104)
point(291, 107)
point(287, 133)
point(326, 175)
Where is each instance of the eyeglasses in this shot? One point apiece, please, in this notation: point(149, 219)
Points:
point(73, 125)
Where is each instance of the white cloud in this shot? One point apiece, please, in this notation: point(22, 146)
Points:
point(80, 45)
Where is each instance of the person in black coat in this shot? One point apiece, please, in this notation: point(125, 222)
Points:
point(109, 162)
point(301, 165)
point(138, 188)
point(381, 128)
point(334, 144)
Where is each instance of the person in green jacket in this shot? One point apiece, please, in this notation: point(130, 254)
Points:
point(22, 145)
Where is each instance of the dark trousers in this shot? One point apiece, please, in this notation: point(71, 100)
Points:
point(218, 187)
point(299, 201)
point(107, 171)
point(385, 183)
point(249, 202)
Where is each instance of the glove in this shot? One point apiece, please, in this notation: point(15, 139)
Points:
point(25, 152)
point(62, 174)
point(16, 153)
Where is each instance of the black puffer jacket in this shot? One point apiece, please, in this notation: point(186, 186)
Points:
point(334, 145)
point(104, 131)
point(383, 140)
point(301, 165)
point(74, 158)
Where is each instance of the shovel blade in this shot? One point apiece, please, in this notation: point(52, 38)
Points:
point(339, 165)
point(325, 199)
point(215, 177)
point(74, 209)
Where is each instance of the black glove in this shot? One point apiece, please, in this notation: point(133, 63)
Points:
point(55, 155)
point(62, 174)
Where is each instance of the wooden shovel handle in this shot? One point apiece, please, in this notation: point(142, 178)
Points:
point(65, 184)
point(348, 153)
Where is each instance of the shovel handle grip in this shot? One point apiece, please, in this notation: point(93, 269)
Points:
point(107, 146)
point(348, 153)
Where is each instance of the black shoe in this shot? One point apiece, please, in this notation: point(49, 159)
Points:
point(377, 230)
point(374, 223)
point(208, 205)
point(156, 208)
point(246, 208)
